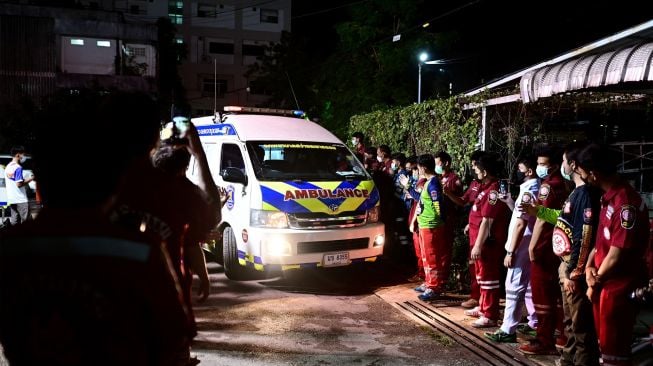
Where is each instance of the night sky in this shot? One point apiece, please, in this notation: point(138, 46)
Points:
point(495, 37)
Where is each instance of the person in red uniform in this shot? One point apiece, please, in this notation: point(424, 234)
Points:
point(468, 198)
point(451, 182)
point(488, 224)
point(357, 141)
point(616, 266)
point(384, 157)
point(544, 263)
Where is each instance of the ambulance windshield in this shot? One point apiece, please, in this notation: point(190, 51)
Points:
point(306, 161)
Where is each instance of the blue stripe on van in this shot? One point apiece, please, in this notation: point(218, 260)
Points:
point(222, 129)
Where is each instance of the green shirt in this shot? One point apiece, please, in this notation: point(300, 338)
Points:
point(430, 204)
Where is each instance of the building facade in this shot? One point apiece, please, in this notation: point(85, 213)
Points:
point(45, 49)
point(223, 38)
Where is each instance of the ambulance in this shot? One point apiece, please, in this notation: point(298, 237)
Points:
point(297, 196)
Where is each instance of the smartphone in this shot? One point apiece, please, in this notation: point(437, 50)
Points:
point(503, 187)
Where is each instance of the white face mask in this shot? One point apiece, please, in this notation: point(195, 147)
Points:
point(379, 159)
point(23, 159)
point(354, 142)
point(393, 166)
point(542, 171)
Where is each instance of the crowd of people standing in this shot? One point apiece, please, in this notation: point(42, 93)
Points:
point(572, 243)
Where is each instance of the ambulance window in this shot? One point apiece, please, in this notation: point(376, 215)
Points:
point(231, 157)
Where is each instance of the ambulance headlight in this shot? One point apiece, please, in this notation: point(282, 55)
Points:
point(373, 214)
point(278, 247)
point(271, 219)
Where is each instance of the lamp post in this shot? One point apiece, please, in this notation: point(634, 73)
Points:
point(423, 57)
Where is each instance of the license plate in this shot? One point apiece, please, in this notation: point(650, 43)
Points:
point(336, 259)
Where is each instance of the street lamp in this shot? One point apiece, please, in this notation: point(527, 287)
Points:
point(423, 57)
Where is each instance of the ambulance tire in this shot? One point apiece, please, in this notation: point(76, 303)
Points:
point(232, 267)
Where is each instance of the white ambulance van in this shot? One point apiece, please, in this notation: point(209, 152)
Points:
point(297, 196)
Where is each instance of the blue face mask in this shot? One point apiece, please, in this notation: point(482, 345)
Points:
point(542, 171)
point(438, 169)
point(564, 174)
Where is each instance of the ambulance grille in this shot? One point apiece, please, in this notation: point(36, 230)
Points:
point(332, 245)
point(319, 220)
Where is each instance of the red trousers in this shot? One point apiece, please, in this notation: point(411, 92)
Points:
point(545, 285)
point(418, 254)
point(436, 257)
point(488, 277)
point(614, 317)
point(471, 264)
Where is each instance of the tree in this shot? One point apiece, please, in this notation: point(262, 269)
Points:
point(365, 71)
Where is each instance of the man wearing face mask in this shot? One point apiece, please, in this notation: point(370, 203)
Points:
point(16, 192)
point(518, 287)
point(357, 141)
point(544, 263)
point(450, 183)
point(467, 200)
point(573, 239)
point(616, 265)
point(384, 157)
point(488, 221)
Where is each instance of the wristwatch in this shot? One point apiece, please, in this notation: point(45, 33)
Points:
point(509, 254)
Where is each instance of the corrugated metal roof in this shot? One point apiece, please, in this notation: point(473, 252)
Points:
point(625, 38)
point(628, 64)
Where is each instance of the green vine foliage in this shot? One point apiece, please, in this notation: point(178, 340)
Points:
point(432, 126)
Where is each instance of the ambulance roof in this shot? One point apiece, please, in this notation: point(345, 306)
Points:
point(255, 127)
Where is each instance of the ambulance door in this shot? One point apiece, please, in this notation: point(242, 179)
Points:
point(233, 178)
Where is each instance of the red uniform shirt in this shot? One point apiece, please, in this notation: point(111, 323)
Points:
point(472, 191)
point(623, 223)
point(451, 183)
point(553, 194)
point(487, 204)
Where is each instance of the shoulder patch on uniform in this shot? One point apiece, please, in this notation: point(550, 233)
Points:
point(458, 182)
point(628, 216)
point(493, 197)
point(587, 216)
point(434, 195)
point(545, 189)
point(526, 198)
point(567, 207)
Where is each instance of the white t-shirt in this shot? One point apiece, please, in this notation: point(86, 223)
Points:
point(14, 175)
point(527, 194)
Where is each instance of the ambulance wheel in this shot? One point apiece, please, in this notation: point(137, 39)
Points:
point(232, 268)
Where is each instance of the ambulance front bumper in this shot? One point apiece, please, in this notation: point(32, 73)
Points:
point(291, 248)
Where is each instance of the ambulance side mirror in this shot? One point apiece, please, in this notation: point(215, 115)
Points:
point(234, 175)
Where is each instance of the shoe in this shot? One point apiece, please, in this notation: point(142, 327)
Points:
point(475, 312)
point(501, 337)
point(420, 288)
point(469, 303)
point(428, 295)
point(561, 342)
point(537, 348)
point(526, 330)
point(483, 322)
point(416, 278)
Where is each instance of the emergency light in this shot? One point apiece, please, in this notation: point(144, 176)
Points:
point(273, 111)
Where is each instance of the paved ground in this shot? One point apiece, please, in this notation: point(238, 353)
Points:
point(316, 317)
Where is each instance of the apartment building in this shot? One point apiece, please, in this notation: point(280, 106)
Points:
point(49, 48)
point(223, 38)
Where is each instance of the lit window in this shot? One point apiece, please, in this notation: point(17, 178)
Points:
point(270, 16)
point(103, 43)
point(176, 18)
point(179, 40)
point(77, 42)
